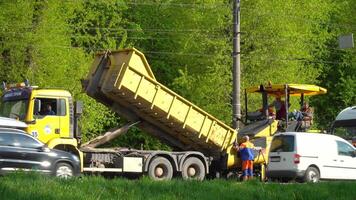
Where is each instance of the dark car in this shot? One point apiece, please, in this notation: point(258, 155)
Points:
point(20, 151)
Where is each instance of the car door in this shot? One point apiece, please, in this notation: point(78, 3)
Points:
point(5, 141)
point(20, 151)
point(10, 153)
point(346, 160)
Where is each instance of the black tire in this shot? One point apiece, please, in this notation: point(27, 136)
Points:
point(312, 175)
point(193, 169)
point(160, 169)
point(63, 170)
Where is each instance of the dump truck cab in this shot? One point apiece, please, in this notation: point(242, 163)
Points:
point(48, 113)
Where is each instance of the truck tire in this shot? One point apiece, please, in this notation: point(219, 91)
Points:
point(312, 175)
point(160, 169)
point(193, 169)
point(63, 170)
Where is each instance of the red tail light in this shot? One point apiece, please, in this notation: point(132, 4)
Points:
point(296, 158)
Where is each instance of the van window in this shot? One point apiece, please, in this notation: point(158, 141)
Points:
point(344, 149)
point(282, 143)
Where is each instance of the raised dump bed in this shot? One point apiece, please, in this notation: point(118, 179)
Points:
point(123, 80)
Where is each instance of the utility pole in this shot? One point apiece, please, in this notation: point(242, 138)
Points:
point(236, 105)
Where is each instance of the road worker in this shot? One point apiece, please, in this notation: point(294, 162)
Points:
point(247, 156)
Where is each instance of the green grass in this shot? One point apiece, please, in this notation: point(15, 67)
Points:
point(36, 187)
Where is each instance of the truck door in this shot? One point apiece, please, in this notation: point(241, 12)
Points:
point(46, 125)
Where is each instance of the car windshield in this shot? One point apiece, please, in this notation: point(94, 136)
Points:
point(282, 143)
point(345, 132)
point(14, 109)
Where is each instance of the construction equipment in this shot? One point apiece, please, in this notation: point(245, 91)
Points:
point(260, 126)
point(279, 90)
point(123, 81)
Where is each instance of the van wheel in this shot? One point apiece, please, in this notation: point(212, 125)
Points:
point(160, 169)
point(312, 175)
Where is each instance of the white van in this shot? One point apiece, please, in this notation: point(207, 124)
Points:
point(310, 157)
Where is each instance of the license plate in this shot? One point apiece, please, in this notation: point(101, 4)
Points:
point(275, 159)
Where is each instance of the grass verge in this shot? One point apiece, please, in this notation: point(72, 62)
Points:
point(37, 187)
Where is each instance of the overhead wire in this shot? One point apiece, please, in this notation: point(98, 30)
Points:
point(197, 54)
point(216, 4)
point(212, 38)
point(173, 31)
point(211, 5)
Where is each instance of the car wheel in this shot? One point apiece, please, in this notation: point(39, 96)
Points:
point(63, 170)
point(193, 168)
point(312, 175)
point(160, 169)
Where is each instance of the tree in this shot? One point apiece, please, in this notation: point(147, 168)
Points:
point(339, 70)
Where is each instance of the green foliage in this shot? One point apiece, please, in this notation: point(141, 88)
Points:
point(40, 48)
point(99, 25)
point(189, 51)
point(188, 45)
point(15, 20)
point(339, 69)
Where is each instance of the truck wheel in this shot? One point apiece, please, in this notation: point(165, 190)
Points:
point(160, 169)
point(312, 175)
point(63, 170)
point(193, 169)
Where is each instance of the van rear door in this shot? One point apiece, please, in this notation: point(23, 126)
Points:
point(282, 153)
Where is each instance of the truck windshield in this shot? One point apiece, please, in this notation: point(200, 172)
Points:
point(348, 132)
point(14, 109)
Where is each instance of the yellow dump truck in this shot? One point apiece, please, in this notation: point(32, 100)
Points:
point(123, 81)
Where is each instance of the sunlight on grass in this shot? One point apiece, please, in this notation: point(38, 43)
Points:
point(34, 186)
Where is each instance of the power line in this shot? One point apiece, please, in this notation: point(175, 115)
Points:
point(301, 59)
point(299, 19)
point(211, 5)
point(184, 5)
point(296, 19)
point(199, 54)
point(249, 54)
point(76, 27)
point(189, 36)
point(114, 35)
point(288, 39)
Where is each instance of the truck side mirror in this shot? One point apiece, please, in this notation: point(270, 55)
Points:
point(78, 108)
point(37, 106)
